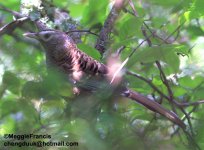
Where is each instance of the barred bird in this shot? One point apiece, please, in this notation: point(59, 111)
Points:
point(63, 54)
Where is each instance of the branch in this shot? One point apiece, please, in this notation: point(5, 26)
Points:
point(108, 26)
point(16, 14)
point(176, 30)
point(154, 33)
point(146, 37)
point(183, 119)
point(10, 27)
point(165, 81)
point(148, 82)
point(119, 50)
point(133, 8)
point(154, 106)
point(171, 97)
point(184, 104)
point(87, 31)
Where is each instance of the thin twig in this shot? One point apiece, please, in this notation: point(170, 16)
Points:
point(133, 8)
point(10, 27)
point(165, 81)
point(149, 82)
point(183, 119)
point(87, 31)
point(171, 97)
point(120, 49)
point(15, 13)
point(176, 30)
point(145, 35)
point(134, 50)
point(128, 11)
point(154, 33)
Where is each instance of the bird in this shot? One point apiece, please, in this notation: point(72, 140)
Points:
point(63, 54)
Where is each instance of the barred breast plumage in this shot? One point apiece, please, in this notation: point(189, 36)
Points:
point(62, 52)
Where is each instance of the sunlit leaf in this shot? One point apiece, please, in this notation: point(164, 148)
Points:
point(89, 51)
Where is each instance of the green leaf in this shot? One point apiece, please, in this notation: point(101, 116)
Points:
point(157, 82)
point(189, 82)
point(12, 82)
point(82, 130)
point(131, 26)
point(195, 10)
point(65, 89)
point(195, 31)
point(138, 85)
point(95, 12)
point(52, 109)
point(12, 4)
point(179, 91)
point(198, 94)
point(32, 89)
point(170, 3)
point(182, 49)
point(165, 53)
point(61, 3)
point(76, 10)
point(7, 104)
point(8, 125)
point(14, 106)
point(158, 21)
point(89, 51)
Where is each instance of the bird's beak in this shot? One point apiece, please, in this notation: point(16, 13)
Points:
point(31, 35)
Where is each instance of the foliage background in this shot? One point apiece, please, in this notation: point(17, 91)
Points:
point(33, 102)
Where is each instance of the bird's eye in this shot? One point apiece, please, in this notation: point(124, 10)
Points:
point(47, 36)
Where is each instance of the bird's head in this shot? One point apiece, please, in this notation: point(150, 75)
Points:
point(49, 38)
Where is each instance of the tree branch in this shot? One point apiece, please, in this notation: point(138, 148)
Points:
point(10, 27)
point(108, 26)
point(154, 106)
point(171, 97)
point(87, 31)
point(184, 104)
